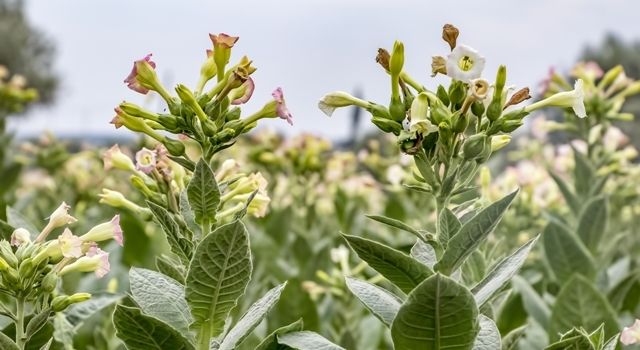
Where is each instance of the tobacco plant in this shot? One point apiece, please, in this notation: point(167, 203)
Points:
point(442, 294)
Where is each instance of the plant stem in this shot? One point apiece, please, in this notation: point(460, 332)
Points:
point(204, 337)
point(20, 336)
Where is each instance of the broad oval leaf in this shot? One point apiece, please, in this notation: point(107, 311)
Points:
point(380, 302)
point(593, 222)
point(565, 253)
point(438, 314)
point(488, 337)
point(161, 297)
point(471, 234)
point(142, 332)
point(251, 319)
point(306, 340)
point(402, 270)
point(424, 253)
point(501, 274)
point(218, 275)
point(580, 304)
point(203, 193)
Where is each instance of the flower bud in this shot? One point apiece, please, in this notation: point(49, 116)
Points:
point(7, 254)
point(387, 125)
point(379, 111)
point(49, 282)
point(474, 146)
point(20, 236)
point(494, 111)
point(396, 60)
point(114, 158)
point(208, 69)
point(26, 269)
point(511, 125)
point(456, 92)
point(500, 141)
point(137, 111)
point(441, 92)
point(450, 35)
point(175, 147)
point(227, 134)
point(4, 266)
point(610, 76)
point(501, 81)
point(459, 122)
point(477, 108)
point(62, 302)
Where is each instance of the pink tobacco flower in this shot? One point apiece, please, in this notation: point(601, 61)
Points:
point(132, 80)
point(281, 109)
point(248, 87)
point(105, 231)
point(223, 40)
point(96, 260)
point(146, 160)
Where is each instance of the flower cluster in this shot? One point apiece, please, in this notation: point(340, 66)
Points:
point(14, 93)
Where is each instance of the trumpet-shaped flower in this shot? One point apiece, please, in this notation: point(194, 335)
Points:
point(631, 335)
point(20, 236)
point(259, 205)
point(227, 169)
point(70, 244)
point(281, 108)
point(565, 99)
point(132, 79)
point(114, 158)
point(105, 231)
point(146, 160)
point(420, 122)
point(330, 102)
point(464, 63)
point(96, 260)
point(60, 217)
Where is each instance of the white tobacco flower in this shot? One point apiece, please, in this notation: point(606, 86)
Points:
point(105, 231)
point(20, 236)
point(259, 205)
point(464, 63)
point(420, 122)
point(631, 335)
point(70, 245)
point(114, 158)
point(331, 101)
point(573, 99)
point(228, 168)
point(146, 160)
point(60, 217)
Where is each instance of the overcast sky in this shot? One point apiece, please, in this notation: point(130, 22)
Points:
point(307, 47)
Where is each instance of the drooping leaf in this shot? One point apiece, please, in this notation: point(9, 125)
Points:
point(448, 226)
point(593, 222)
point(141, 332)
point(251, 319)
point(471, 234)
point(532, 301)
point(306, 340)
point(488, 337)
point(438, 314)
point(500, 275)
point(180, 245)
point(271, 341)
point(580, 304)
point(203, 193)
point(424, 253)
point(397, 224)
point(161, 297)
point(380, 302)
point(218, 275)
point(402, 270)
point(565, 253)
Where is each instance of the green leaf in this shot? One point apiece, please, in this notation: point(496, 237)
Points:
point(438, 314)
point(251, 319)
point(47, 345)
point(511, 340)
point(7, 343)
point(402, 270)
point(489, 337)
point(501, 274)
point(78, 313)
point(448, 226)
point(5, 230)
point(306, 340)
point(37, 322)
point(583, 173)
point(203, 193)
point(187, 214)
point(171, 268)
point(383, 304)
point(397, 224)
point(9, 175)
point(580, 304)
point(17, 220)
point(565, 253)
point(271, 341)
point(141, 332)
point(180, 245)
point(471, 234)
point(532, 302)
point(218, 275)
point(424, 253)
point(593, 222)
point(161, 297)
point(567, 193)
point(612, 343)
point(63, 331)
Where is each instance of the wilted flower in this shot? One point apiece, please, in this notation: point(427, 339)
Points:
point(114, 158)
point(438, 65)
point(450, 35)
point(146, 160)
point(479, 88)
point(95, 260)
point(70, 245)
point(631, 335)
point(244, 92)
point(565, 99)
point(223, 40)
point(105, 231)
point(281, 108)
point(20, 236)
point(464, 63)
point(133, 81)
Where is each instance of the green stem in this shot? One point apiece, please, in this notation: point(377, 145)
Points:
point(204, 337)
point(20, 336)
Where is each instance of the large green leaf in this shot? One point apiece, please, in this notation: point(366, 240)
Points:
point(424, 253)
point(448, 226)
point(489, 337)
point(271, 341)
point(580, 304)
point(583, 174)
point(180, 245)
point(161, 297)
point(7, 343)
point(306, 340)
point(438, 314)
point(218, 275)
point(471, 234)
point(251, 319)
point(78, 313)
point(532, 301)
point(593, 222)
point(501, 273)
point(141, 332)
point(402, 270)
point(203, 193)
point(565, 253)
point(380, 302)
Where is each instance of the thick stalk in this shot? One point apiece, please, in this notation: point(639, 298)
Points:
point(204, 337)
point(20, 336)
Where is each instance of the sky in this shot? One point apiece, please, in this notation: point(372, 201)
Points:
point(308, 48)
